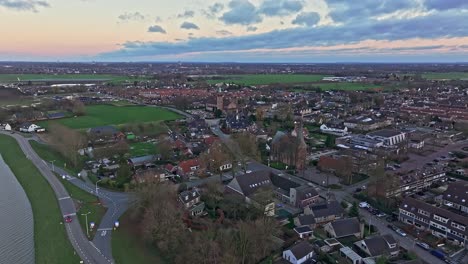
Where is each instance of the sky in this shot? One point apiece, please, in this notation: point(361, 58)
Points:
point(290, 31)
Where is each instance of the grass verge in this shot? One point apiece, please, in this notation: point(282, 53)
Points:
point(50, 239)
point(48, 154)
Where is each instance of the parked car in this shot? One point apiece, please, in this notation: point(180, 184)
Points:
point(423, 245)
point(400, 232)
point(381, 214)
point(363, 205)
point(439, 254)
point(68, 219)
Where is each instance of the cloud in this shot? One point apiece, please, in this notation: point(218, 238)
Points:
point(186, 14)
point(445, 4)
point(241, 12)
point(189, 25)
point(307, 19)
point(280, 7)
point(448, 26)
point(223, 32)
point(251, 28)
point(156, 29)
point(137, 16)
point(213, 10)
point(24, 5)
point(344, 10)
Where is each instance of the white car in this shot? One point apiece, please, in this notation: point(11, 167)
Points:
point(363, 205)
point(400, 232)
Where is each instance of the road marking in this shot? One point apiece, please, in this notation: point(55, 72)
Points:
point(103, 233)
point(105, 229)
point(63, 198)
point(72, 214)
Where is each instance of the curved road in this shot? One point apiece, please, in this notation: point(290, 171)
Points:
point(84, 248)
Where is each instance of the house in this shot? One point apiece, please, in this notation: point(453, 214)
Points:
point(377, 246)
point(299, 253)
point(344, 228)
point(29, 128)
point(303, 231)
point(6, 127)
point(456, 196)
point(103, 131)
point(289, 191)
point(440, 221)
point(188, 168)
point(249, 184)
point(325, 212)
point(191, 202)
point(305, 220)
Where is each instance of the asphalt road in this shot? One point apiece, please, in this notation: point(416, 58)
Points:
point(84, 248)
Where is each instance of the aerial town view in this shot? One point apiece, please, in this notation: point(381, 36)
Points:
point(234, 132)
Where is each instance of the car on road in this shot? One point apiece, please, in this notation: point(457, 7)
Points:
point(400, 232)
point(423, 245)
point(363, 205)
point(358, 190)
point(68, 219)
point(381, 214)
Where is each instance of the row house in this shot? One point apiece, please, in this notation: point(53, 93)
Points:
point(440, 221)
point(415, 182)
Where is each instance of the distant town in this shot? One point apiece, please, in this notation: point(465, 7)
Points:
point(240, 163)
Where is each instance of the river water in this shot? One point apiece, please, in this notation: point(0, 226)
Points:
point(16, 220)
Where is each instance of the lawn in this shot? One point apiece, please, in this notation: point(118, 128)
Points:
point(69, 77)
point(48, 154)
point(86, 202)
point(142, 149)
point(103, 115)
point(445, 75)
point(262, 79)
point(129, 248)
point(50, 239)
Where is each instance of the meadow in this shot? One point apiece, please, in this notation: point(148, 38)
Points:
point(103, 115)
point(50, 239)
point(69, 77)
point(263, 79)
point(445, 75)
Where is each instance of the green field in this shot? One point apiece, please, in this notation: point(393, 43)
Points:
point(347, 86)
point(262, 79)
point(103, 115)
point(48, 154)
point(50, 239)
point(142, 149)
point(445, 75)
point(86, 203)
point(69, 77)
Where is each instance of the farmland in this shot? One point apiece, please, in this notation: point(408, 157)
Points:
point(263, 79)
point(5, 78)
point(445, 75)
point(103, 115)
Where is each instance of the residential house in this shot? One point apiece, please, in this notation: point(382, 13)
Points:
point(456, 196)
point(29, 128)
point(103, 132)
point(337, 131)
point(409, 183)
point(57, 115)
point(325, 212)
point(143, 160)
point(440, 221)
point(191, 201)
point(377, 246)
point(344, 228)
point(299, 253)
point(6, 127)
point(303, 231)
point(188, 168)
point(247, 185)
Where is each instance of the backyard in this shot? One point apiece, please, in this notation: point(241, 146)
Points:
point(142, 149)
point(103, 115)
point(50, 239)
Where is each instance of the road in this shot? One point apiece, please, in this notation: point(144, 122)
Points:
point(83, 247)
point(115, 202)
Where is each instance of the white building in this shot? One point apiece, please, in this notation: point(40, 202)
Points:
point(334, 131)
point(299, 253)
point(29, 128)
point(389, 137)
point(6, 127)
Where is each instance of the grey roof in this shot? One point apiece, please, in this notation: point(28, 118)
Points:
point(188, 196)
point(346, 227)
point(136, 161)
point(385, 133)
point(306, 219)
point(251, 182)
point(301, 249)
point(277, 137)
point(103, 130)
point(302, 229)
point(306, 192)
point(457, 192)
point(283, 182)
point(327, 209)
point(379, 245)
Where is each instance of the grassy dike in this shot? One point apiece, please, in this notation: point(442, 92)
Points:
point(50, 238)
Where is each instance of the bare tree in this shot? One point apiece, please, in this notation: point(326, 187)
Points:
point(67, 141)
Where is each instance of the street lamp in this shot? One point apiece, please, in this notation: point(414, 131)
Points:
point(97, 194)
point(87, 229)
point(53, 167)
